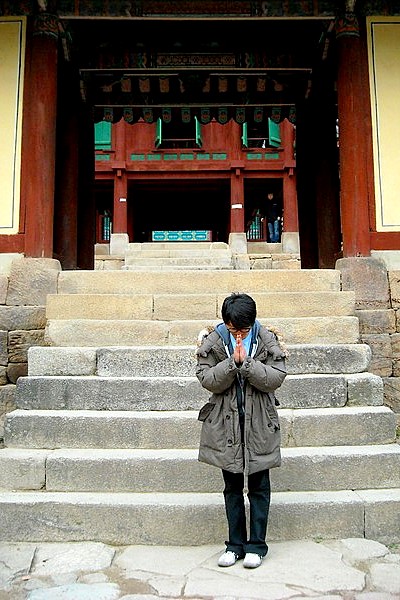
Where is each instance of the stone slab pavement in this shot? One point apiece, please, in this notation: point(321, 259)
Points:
point(346, 569)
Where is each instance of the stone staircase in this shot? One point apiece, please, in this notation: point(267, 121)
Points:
point(172, 256)
point(103, 444)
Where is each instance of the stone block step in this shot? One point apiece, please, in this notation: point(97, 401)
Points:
point(178, 470)
point(162, 519)
point(160, 361)
point(189, 282)
point(50, 429)
point(187, 246)
point(96, 332)
point(201, 266)
point(195, 306)
point(187, 262)
point(178, 252)
point(186, 393)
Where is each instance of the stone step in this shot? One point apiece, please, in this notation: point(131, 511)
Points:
point(164, 265)
point(195, 306)
point(189, 282)
point(188, 262)
point(98, 332)
point(185, 246)
point(178, 470)
point(162, 519)
point(179, 252)
point(186, 393)
point(160, 361)
point(181, 429)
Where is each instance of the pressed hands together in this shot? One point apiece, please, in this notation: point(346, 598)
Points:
point(239, 354)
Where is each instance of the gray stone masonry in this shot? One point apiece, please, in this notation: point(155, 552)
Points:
point(24, 286)
point(377, 293)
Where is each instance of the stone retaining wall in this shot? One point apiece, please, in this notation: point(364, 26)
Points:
point(377, 292)
point(24, 285)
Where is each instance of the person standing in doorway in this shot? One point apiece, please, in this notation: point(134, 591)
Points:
point(241, 363)
point(274, 218)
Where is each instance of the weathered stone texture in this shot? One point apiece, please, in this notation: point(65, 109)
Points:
point(3, 348)
point(391, 390)
point(3, 288)
point(3, 375)
point(394, 283)
point(20, 341)
point(395, 340)
point(368, 278)
point(22, 317)
point(16, 370)
point(31, 280)
point(382, 354)
point(377, 321)
point(7, 403)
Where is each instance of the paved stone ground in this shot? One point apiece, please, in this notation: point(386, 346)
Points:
point(347, 569)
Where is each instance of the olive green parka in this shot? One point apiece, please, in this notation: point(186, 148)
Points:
point(247, 390)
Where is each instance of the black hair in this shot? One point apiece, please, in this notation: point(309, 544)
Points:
point(240, 310)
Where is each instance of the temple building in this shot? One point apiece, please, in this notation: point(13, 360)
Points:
point(174, 120)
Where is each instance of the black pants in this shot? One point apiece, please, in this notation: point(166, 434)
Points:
point(259, 497)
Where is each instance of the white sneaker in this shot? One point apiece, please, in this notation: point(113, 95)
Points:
point(252, 561)
point(227, 559)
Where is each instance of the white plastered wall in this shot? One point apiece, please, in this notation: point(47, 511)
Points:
point(384, 69)
point(12, 55)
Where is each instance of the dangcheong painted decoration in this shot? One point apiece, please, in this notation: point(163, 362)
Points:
point(205, 115)
point(166, 115)
point(347, 26)
point(258, 114)
point(148, 115)
point(109, 114)
point(128, 115)
point(144, 85)
point(276, 114)
point(240, 115)
point(186, 116)
point(223, 115)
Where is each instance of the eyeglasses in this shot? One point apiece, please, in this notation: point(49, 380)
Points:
point(242, 330)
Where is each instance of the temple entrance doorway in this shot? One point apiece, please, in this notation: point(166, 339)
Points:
point(179, 205)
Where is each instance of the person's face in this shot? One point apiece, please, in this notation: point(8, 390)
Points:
point(242, 331)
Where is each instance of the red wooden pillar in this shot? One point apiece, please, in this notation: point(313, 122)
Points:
point(290, 212)
point(120, 210)
point(39, 137)
point(353, 94)
point(290, 207)
point(237, 199)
